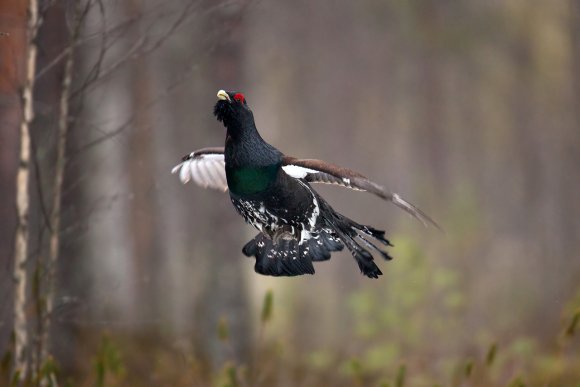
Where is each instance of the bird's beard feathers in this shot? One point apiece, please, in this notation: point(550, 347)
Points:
point(223, 111)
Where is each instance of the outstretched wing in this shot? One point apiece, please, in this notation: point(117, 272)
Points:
point(206, 167)
point(318, 171)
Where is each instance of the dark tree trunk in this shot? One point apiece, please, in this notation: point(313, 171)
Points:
point(141, 156)
point(224, 295)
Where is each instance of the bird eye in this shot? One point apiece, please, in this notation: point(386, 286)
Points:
point(240, 98)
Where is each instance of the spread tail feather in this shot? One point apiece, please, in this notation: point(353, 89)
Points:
point(284, 255)
point(352, 234)
point(287, 257)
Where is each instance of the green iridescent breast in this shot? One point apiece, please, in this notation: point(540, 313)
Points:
point(251, 180)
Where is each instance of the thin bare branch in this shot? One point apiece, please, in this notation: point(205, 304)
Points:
point(39, 191)
point(102, 34)
point(140, 48)
point(55, 215)
point(167, 91)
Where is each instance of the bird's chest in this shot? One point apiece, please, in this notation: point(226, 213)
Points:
point(271, 221)
point(280, 209)
point(244, 181)
point(255, 213)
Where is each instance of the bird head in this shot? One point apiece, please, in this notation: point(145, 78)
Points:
point(232, 109)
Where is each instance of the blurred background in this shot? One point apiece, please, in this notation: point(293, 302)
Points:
point(471, 110)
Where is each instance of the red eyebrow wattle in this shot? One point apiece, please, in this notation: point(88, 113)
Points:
point(239, 97)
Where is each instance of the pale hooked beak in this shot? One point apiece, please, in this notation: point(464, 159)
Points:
point(223, 96)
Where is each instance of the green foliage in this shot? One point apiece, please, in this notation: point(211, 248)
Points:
point(523, 347)
point(571, 329)
point(267, 306)
point(5, 365)
point(15, 381)
point(401, 374)
point(108, 361)
point(223, 330)
point(396, 317)
point(491, 353)
point(469, 368)
point(229, 377)
point(377, 356)
point(320, 360)
point(354, 369)
point(517, 382)
point(49, 372)
point(383, 340)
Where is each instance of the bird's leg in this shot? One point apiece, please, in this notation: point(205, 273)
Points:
point(285, 232)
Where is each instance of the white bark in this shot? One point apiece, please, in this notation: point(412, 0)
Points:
point(23, 201)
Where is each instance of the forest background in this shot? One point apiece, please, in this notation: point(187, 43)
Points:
point(123, 276)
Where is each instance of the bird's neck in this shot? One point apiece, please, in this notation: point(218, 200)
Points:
point(245, 148)
point(252, 164)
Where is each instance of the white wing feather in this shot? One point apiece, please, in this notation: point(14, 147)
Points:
point(206, 170)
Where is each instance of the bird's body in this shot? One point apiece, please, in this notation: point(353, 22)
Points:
point(284, 206)
point(272, 192)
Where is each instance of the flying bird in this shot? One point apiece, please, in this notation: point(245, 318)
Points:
point(273, 193)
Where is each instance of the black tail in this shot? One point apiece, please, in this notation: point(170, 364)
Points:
point(287, 257)
point(352, 234)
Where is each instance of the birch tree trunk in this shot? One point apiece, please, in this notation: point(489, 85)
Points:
point(57, 189)
point(23, 201)
point(12, 47)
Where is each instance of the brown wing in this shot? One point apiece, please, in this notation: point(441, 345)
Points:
point(206, 167)
point(318, 171)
